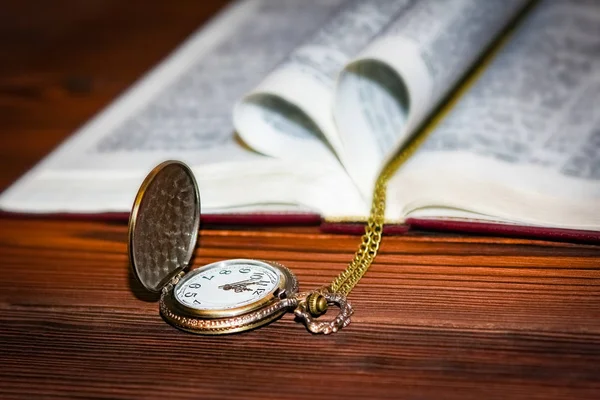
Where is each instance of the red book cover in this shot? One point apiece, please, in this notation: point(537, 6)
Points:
point(358, 228)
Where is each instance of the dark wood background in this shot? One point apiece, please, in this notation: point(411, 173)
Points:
point(437, 316)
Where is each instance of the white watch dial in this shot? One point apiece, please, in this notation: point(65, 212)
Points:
point(227, 284)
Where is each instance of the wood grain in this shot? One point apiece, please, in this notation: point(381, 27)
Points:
point(437, 316)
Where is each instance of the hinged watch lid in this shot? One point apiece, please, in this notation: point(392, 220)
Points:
point(163, 226)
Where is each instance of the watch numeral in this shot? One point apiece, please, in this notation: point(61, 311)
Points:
point(258, 292)
point(256, 275)
point(207, 278)
point(195, 286)
point(224, 272)
point(190, 294)
point(196, 302)
point(263, 283)
point(245, 270)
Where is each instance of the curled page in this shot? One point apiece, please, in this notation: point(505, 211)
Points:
point(398, 80)
point(289, 114)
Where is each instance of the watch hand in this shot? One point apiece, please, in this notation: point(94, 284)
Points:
point(245, 282)
point(238, 287)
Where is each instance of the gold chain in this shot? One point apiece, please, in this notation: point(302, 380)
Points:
point(371, 239)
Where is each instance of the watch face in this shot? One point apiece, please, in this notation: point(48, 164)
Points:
point(227, 284)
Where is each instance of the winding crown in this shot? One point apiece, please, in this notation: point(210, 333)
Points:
point(316, 304)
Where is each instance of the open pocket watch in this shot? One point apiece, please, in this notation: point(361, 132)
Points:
point(222, 297)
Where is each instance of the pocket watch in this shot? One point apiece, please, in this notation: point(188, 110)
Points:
point(221, 297)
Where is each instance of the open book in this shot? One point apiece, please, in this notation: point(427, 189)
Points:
point(292, 108)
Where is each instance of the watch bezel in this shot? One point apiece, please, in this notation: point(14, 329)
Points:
point(286, 286)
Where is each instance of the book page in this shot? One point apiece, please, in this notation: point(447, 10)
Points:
point(523, 144)
point(289, 114)
point(182, 109)
point(398, 80)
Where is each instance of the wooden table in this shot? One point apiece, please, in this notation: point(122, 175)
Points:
point(437, 316)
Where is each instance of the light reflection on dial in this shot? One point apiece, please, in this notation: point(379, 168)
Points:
point(227, 284)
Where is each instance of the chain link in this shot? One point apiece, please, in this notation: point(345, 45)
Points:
point(371, 239)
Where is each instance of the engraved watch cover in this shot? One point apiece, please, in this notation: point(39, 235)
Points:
point(163, 226)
